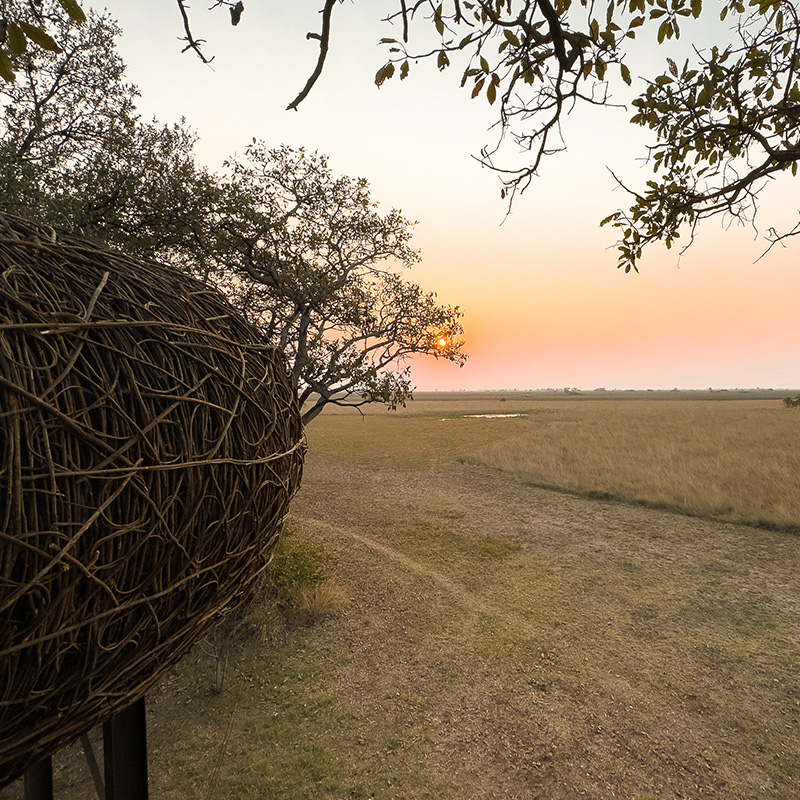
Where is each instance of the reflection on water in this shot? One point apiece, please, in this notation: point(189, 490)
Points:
point(482, 416)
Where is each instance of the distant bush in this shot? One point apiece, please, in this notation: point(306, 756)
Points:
point(792, 402)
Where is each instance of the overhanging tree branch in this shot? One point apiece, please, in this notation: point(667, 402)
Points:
point(537, 60)
point(324, 41)
point(193, 44)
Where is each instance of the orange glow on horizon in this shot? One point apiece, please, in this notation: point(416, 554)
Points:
point(543, 302)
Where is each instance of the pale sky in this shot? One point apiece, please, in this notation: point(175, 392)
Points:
point(544, 303)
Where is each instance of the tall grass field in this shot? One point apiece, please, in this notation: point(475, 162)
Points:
point(731, 456)
point(737, 461)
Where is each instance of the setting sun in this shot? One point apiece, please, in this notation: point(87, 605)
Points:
point(442, 342)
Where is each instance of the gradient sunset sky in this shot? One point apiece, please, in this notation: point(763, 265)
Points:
point(545, 305)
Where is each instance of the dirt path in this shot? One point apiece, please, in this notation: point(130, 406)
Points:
point(523, 643)
point(470, 601)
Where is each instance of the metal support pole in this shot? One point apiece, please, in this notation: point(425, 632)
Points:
point(94, 769)
point(125, 754)
point(39, 780)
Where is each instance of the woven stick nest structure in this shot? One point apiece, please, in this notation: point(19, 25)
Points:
point(150, 442)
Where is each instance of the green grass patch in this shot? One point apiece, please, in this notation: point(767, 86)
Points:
point(432, 539)
point(297, 562)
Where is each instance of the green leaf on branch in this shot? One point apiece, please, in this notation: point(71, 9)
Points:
point(6, 69)
point(600, 68)
point(38, 36)
point(384, 73)
point(438, 21)
point(74, 10)
point(17, 43)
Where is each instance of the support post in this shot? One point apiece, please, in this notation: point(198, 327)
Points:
point(125, 754)
point(39, 780)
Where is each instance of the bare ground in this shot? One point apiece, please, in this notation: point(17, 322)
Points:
point(503, 641)
point(607, 651)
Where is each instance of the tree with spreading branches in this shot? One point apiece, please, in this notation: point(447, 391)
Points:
point(306, 255)
point(311, 260)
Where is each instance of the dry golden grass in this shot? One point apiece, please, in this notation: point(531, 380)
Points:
point(737, 461)
point(732, 456)
point(315, 603)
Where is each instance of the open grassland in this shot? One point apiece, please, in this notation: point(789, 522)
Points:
point(729, 456)
point(502, 640)
point(738, 461)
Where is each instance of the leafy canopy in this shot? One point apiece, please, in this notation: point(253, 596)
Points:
point(305, 254)
point(20, 29)
point(74, 152)
point(724, 121)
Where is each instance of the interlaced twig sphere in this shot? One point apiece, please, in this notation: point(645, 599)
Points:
point(150, 442)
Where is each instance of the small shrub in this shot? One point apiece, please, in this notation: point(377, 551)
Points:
point(295, 589)
point(296, 563)
point(298, 582)
point(314, 603)
point(792, 402)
